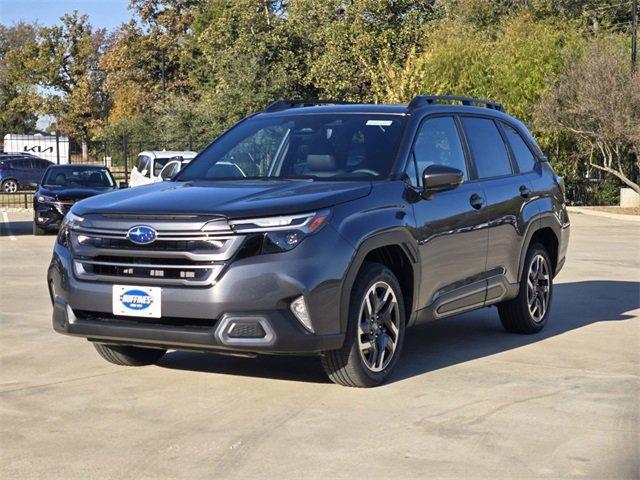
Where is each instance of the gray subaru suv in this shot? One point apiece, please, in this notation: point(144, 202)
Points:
point(321, 228)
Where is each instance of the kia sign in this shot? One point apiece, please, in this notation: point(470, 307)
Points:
point(43, 146)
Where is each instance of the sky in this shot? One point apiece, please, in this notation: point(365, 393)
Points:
point(102, 13)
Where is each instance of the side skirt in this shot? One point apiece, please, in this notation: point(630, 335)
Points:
point(482, 293)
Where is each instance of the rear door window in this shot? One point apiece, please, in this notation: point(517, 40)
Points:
point(41, 164)
point(487, 147)
point(26, 163)
point(521, 151)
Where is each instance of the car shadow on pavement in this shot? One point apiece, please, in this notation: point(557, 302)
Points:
point(446, 342)
point(281, 367)
point(17, 229)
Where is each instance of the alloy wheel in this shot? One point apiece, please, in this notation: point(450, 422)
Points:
point(538, 287)
point(378, 326)
point(10, 186)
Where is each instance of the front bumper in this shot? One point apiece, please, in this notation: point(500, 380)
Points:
point(288, 337)
point(259, 288)
point(49, 216)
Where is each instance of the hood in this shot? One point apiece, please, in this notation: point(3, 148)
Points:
point(233, 199)
point(72, 193)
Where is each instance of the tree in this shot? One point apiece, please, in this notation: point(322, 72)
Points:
point(16, 90)
point(349, 40)
point(513, 64)
point(63, 62)
point(597, 100)
point(241, 57)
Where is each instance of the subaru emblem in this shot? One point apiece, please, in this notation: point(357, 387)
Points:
point(142, 235)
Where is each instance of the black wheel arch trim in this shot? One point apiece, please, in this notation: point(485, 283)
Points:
point(542, 220)
point(397, 237)
point(4, 180)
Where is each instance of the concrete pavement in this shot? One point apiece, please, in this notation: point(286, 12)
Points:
point(468, 400)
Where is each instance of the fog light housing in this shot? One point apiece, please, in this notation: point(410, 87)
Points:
point(300, 311)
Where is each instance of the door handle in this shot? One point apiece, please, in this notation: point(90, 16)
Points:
point(524, 191)
point(476, 201)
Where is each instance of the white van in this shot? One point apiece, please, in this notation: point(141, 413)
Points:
point(150, 163)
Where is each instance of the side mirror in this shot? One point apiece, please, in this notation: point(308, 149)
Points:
point(440, 178)
point(169, 170)
point(123, 184)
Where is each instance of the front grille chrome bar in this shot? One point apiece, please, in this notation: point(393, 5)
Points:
point(186, 252)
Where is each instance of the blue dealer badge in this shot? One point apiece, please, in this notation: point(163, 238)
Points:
point(136, 299)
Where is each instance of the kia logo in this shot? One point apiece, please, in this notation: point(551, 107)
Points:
point(142, 235)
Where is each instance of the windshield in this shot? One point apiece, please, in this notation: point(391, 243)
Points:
point(325, 146)
point(79, 177)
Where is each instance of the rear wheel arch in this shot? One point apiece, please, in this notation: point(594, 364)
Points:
point(394, 250)
point(547, 234)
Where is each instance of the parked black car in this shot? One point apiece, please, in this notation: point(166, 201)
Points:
point(21, 170)
point(61, 187)
point(350, 224)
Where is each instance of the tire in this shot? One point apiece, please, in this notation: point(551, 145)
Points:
point(355, 365)
point(128, 355)
point(38, 230)
point(520, 314)
point(10, 186)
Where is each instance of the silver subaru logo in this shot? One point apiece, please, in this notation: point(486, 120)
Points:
point(141, 234)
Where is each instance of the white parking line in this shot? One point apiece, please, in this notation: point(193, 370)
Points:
point(5, 219)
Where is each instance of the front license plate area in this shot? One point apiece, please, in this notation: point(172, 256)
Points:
point(137, 301)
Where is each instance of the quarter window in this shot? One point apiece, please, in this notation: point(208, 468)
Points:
point(438, 143)
point(488, 150)
point(521, 151)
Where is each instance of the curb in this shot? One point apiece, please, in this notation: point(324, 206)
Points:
point(599, 213)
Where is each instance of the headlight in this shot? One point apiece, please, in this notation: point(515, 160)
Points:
point(69, 221)
point(46, 199)
point(282, 233)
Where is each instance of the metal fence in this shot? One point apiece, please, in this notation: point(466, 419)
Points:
point(118, 153)
point(583, 192)
point(16, 200)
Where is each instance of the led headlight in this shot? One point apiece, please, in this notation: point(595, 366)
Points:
point(282, 233)
point(46, 199)
point(69, 221)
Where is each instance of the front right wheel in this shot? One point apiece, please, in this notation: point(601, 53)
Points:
point(529, 311)
point(375, 330)
point(128, 355)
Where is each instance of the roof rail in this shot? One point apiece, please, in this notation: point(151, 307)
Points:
point(423, 100)
point(282, 104)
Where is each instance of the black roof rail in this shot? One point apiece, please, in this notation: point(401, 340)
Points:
point(423, 100)
point(282, 104)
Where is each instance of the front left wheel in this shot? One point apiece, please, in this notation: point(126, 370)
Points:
point(375, 331)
